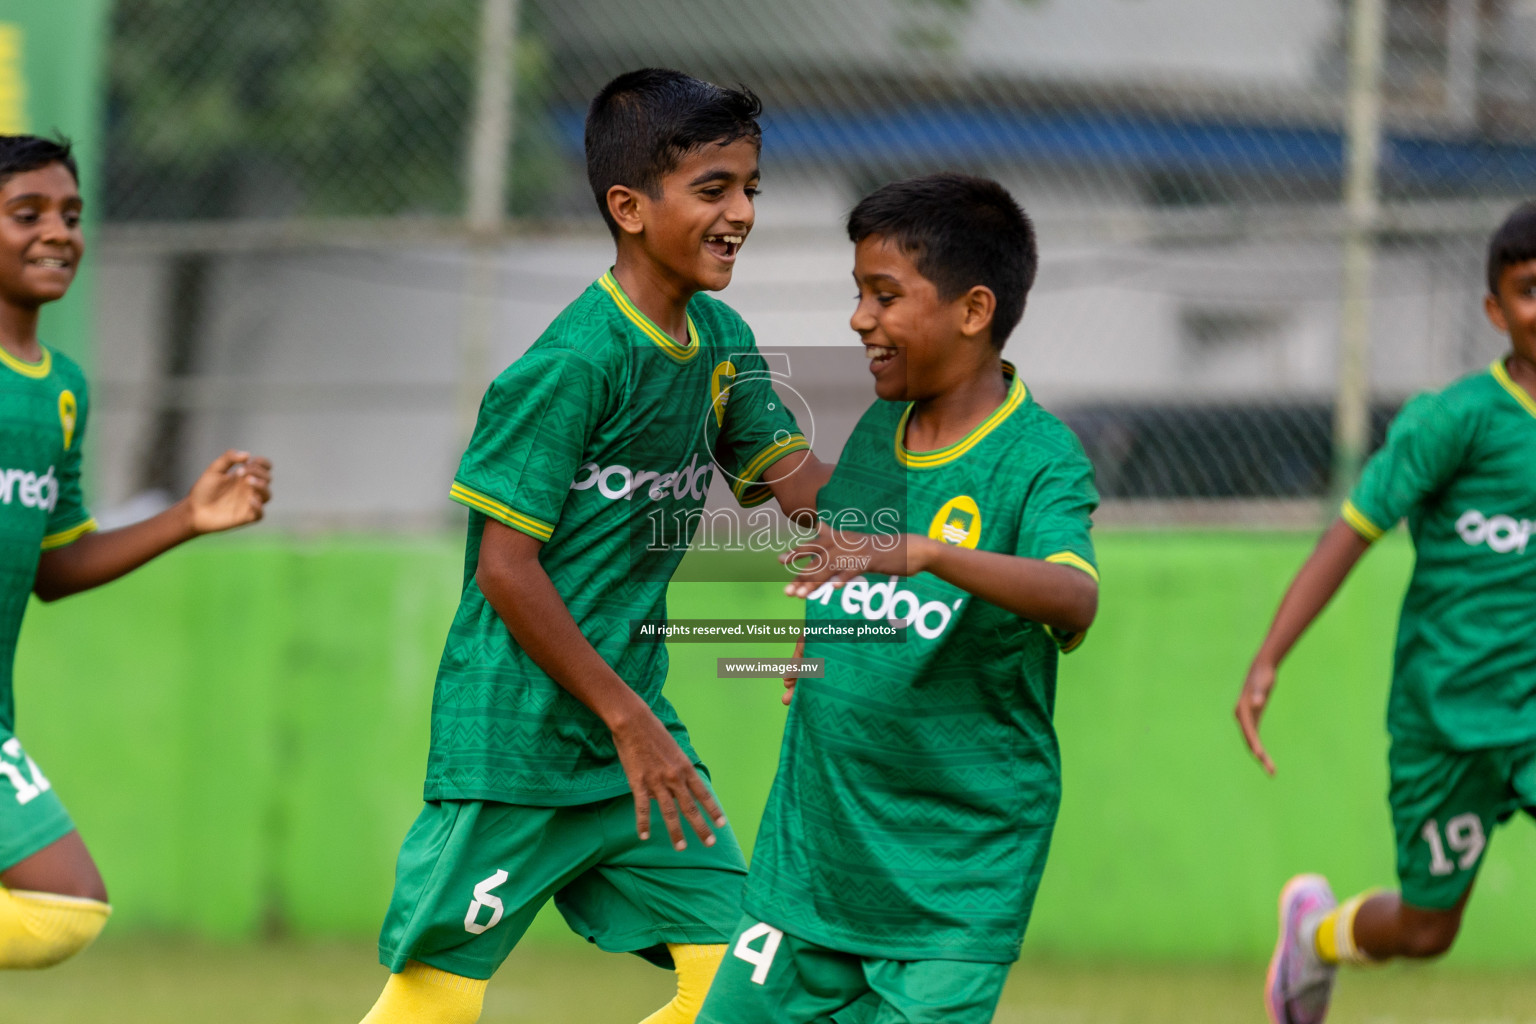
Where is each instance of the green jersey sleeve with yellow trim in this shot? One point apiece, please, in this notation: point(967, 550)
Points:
point(749, 424)
point(533, 427)
point(1424, 447)
point(69, 518)
point(1458, 465)
point(1058, 518)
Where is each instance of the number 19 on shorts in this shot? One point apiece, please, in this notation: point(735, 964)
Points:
point(1463, 835)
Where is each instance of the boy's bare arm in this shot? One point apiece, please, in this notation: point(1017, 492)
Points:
point(232, 491)
point(795, 480)
point(1314, 586)
point(514, 582)
point(1054, 595)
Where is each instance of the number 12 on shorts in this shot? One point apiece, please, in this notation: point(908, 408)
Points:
point(12, 758)
point(760, 959)
point(1463, 834)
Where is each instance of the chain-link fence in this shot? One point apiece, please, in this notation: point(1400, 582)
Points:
point(1187, 162)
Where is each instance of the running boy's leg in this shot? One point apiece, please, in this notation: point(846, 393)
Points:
point(470, 879)
point(675, 908)
point(472, 875)
point(1445, 805)
point(1386, 926)
point(53, 902)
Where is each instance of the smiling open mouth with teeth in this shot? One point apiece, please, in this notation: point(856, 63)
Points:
point(725, 246)
point(52, 262)
point(878, 355)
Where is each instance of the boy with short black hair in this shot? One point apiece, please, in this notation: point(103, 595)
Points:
point(1460, 464)
point(550, 734)
point(53, 902)
point(919, 780)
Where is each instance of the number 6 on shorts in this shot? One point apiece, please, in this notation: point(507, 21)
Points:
point(761, 959)
point(483, 898)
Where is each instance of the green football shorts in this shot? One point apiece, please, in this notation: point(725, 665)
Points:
point(1445, 804)
point(472, 875)
point(31, 814)
point(771, 977)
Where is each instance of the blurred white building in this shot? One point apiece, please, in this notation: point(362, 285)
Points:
point(1179, 157)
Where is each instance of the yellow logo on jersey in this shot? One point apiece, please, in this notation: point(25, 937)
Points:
point(957, 523)
point(719, 389)
point(69, 414)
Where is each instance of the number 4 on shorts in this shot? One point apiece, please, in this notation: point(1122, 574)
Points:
point(760, 959)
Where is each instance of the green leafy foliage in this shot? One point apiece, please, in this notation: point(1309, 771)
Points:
point(223, 108)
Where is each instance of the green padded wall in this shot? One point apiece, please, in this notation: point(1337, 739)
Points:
point(240, 731)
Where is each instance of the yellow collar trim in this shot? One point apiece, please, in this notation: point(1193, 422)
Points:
point(1519, 393)
point(663, 340)
point(1017, 393)
point(37, 370)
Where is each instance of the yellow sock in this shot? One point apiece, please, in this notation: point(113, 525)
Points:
point(1335, 940)
point(40, 929)
point(696, 966)
point(425, 995)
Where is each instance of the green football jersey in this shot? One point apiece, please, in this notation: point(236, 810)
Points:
point(1461, 465)
point(600, 441)
point(42, 429)
point(919, 780)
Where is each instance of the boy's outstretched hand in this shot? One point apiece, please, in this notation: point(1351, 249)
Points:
point(1315, 584)
point(658, 770)
point(232, 491)
point(837, 556)
point(1250, 708)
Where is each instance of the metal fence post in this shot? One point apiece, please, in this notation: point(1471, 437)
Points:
point(1352, 408)
point(490, 148)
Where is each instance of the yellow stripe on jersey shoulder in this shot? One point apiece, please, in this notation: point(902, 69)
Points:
point(1076, 561)
point(760, 462)
point(1360, 522)
point(69, 536)
point(538, 529)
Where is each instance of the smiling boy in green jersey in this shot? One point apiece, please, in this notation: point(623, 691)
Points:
point(1460, 464)
point(53, 902)
point(919, 781)
point(550, 734)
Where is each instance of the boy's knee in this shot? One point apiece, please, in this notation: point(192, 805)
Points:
point(40, 929)
point(1429, 934)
